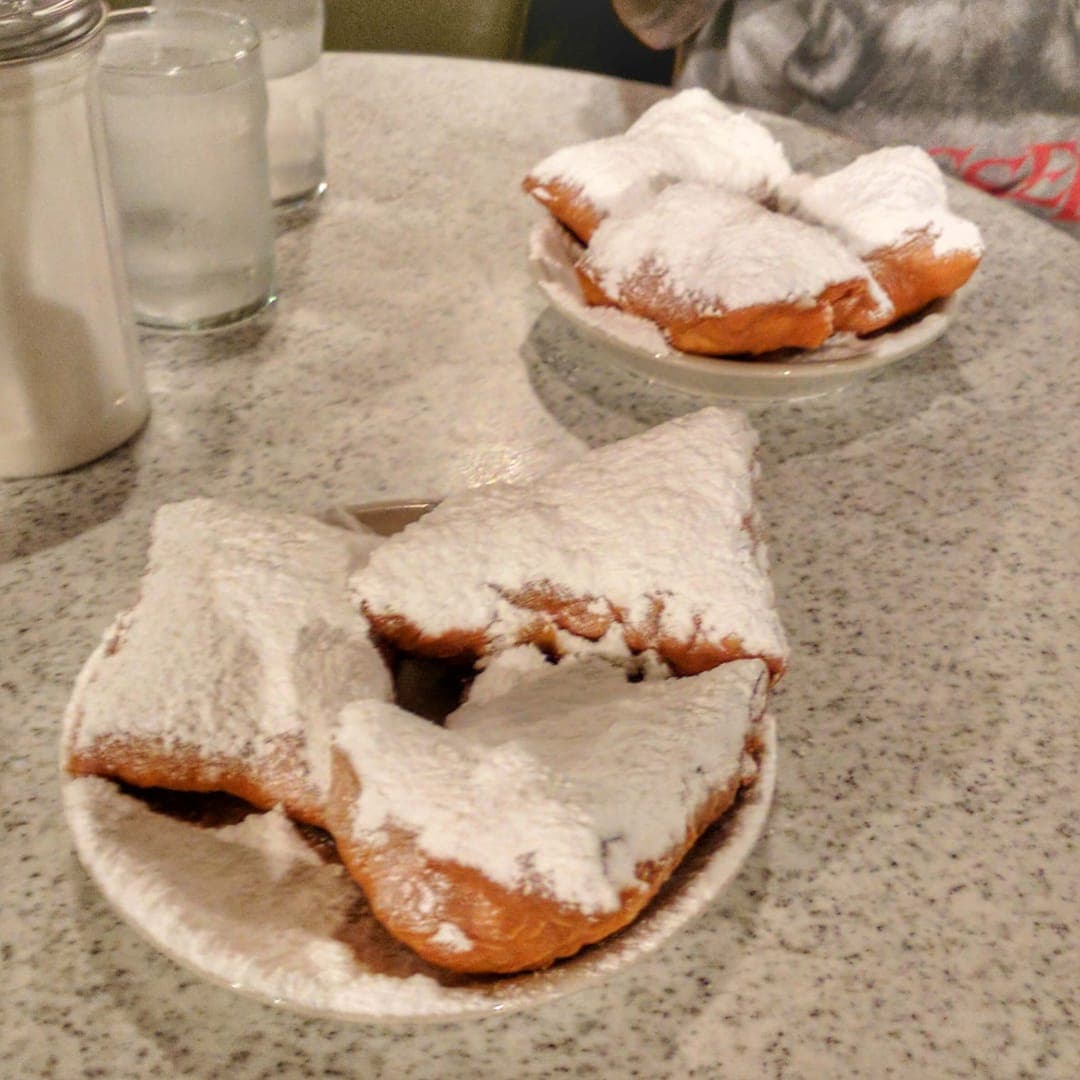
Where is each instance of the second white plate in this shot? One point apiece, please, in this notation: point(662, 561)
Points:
point(638, 344)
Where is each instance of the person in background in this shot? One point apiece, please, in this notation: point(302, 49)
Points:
point(991, 88)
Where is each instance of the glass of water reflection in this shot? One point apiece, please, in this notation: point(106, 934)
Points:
point(185, 117)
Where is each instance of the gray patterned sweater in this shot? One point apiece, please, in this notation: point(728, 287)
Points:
point(990, 87)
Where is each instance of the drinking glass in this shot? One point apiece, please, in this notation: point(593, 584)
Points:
point(185, 117)
point(292, 37)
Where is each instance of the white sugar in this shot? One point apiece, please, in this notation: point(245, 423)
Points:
point(709, 142)
point(690, 136)
point(584, 774)
point(249, 906)
point(660, 516)
point(614, 174)
point(503, 671)
point(719, 251)
point(274, 836)
point(452, 938)
point(241, 642)
point(882, 200)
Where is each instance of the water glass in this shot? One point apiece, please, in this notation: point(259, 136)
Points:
point(292, 37)
point(185, 117)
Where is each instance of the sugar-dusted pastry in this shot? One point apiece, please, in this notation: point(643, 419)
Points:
point(541, 820)
point(722, 275)
point(580, 185)
point(231, 668)
point(649, 544)
point(890, 208)
point(690, 136)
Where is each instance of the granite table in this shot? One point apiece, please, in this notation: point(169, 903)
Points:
point(912, 907)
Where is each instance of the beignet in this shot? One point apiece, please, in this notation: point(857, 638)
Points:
point(721, 275)
point(691, 136)
point(890, 208)
point(543, 819)
point(230, 670)
point(648, 544)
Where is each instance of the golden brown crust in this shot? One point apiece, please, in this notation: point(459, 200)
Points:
point(557, 609)
point(698, 655)
point(149, 762)
point(913, 276)
point(759, 328)
point(463, 645)
point(577, 615)
point(506, 930)
point(856, 311)
point(567, 205)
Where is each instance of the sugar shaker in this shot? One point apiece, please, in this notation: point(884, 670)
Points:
point(71, 379)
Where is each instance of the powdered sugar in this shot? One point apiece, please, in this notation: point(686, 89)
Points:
point(660, 516)
point(719, 251)
point(242, 643)
point(712, 143)
point(242, 905)
point(503, 671)
point(275, 837)
point(690, 136)
point(613, 174)
point(451, 937)
point(882, 200)
point(585, 775)
point(553, 253)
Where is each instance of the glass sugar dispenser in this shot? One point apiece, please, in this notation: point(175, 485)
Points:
point(71, 379)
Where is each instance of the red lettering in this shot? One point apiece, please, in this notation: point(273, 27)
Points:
point(1042, 156)
point(1070, 203)
point(957, 155)
point(1041, 167)
point(973, 173)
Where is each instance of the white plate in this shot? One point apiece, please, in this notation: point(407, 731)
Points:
point(638, 344)
point(254, 907)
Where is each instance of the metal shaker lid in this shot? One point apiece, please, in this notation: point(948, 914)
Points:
point(30, 29)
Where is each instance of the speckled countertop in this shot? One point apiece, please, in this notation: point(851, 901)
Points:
point(912, 909)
